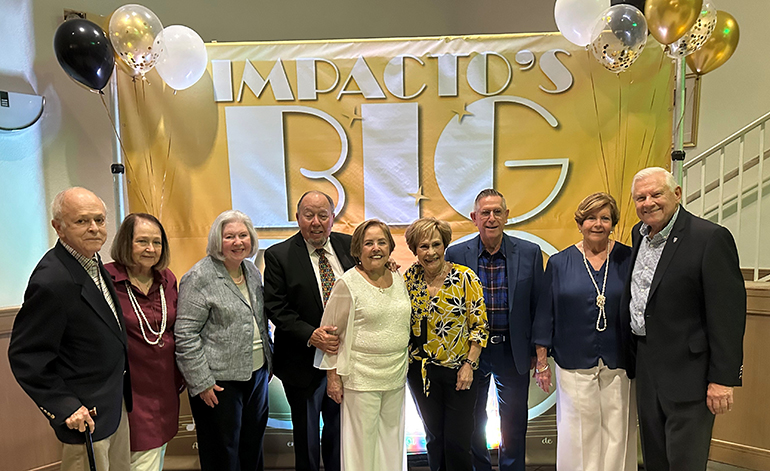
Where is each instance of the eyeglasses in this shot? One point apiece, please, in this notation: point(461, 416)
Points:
point(498, 213)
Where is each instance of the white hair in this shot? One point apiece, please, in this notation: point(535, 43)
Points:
point(214, 247)
point(651, 171)
point(58, 203)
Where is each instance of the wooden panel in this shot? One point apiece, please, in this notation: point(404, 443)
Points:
point(742, 436)
point(26, 440)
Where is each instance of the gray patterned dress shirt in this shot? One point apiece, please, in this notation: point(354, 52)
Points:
point(647, 260)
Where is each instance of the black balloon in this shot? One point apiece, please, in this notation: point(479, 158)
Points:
point(84, 52)
point(637, 3)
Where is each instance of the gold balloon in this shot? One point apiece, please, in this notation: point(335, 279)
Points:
point(719, 47)
point(669, 20)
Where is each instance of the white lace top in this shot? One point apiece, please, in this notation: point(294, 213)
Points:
point(373, 325)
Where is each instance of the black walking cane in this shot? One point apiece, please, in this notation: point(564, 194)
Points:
point(90, 444)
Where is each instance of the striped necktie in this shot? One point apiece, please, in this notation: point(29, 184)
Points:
point(327, 275)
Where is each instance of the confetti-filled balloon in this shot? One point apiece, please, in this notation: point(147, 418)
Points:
point(718, 48)
point(620, 35)
point(135, 35)
point(698, 34)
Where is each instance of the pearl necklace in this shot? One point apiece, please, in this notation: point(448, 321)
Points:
point(600, 298)
point(143, 318)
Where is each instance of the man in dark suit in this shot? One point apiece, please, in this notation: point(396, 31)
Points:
point(511, 272)
point(298, 279)
point(68, 344)
point(686, 303)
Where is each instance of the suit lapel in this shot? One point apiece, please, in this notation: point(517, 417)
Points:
point(305, 269)
point(512, 264)
point(472, 254)
point(90, 293)
point(343, 253)
point(228, 280)
point(672, 244)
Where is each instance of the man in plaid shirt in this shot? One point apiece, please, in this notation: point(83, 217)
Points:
point(511, 272)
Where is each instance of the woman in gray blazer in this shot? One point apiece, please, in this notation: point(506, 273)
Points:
point(223, 348)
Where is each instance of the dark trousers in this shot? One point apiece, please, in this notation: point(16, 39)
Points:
point(307, 406)
point(675, 435)
point(447, 415)
point(512, 395)
point(230, 434)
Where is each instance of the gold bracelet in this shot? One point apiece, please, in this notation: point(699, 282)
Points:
point(545, 368)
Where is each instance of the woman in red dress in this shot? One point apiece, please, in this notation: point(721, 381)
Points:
point(147, 291)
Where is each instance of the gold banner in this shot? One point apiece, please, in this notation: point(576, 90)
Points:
point(395, 129)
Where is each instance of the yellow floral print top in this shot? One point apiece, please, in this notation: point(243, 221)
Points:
point(443, 326)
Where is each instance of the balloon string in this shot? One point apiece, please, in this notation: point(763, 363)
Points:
point(618, 155)
point(163, 184)
point(603, 166)
point(122, 148)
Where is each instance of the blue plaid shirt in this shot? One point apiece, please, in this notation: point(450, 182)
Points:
point(494, 279)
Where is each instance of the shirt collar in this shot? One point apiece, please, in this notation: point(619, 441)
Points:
point(86, 262)
point(501, 251)
point(327, 246)
point(661, 236)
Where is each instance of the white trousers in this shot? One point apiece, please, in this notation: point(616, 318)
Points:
point(110, 454)
point(595, 420)
point(372, 425)
point(148, 460)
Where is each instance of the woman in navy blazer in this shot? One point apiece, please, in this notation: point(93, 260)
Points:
point(223, 347)
point(578, 320)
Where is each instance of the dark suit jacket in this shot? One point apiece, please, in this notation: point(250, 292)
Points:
point(293, 303)
point(66, 348)
point(524, 262)
point(696, 309)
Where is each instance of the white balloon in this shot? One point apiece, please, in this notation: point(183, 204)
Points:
point(576, 19)
point(183, 60)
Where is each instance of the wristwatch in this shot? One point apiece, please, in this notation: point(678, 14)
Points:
point(474, 364)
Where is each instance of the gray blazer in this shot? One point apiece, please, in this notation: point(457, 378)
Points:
point(214, 329)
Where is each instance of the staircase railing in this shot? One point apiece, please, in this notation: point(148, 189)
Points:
point(736, 180)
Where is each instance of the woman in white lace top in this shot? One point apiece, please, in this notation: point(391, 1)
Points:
point(370, 308)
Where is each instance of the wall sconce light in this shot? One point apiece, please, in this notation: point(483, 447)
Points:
point(19, 110)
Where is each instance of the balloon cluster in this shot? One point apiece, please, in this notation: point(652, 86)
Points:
point(616, 30)
point(137, 42)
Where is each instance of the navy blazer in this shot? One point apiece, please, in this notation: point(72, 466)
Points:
point(524, 262)
point(67, 350)
point(696, 309)
point(293, 303)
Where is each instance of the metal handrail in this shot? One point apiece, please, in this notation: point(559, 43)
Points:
point(733, 199)
point(728, 140)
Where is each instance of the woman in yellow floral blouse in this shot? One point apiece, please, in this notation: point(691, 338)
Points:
point(448, 330)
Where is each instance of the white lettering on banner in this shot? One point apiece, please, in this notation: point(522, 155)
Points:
point(307, 80)
point(555, 71)
point(464, 161)
point(276, 77)
point(477, 73)
point(258, 162)
point(391, 161)
point(525, 58)
point(394, 77)
point(563, 163)
point(447, 73)
point(367, 84)
point(223, 80)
